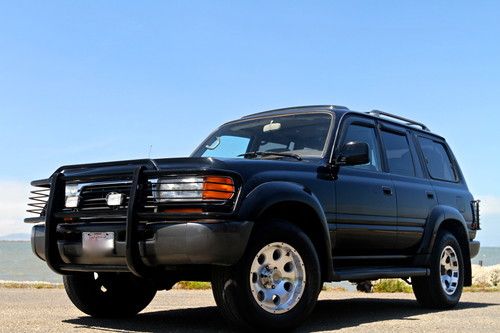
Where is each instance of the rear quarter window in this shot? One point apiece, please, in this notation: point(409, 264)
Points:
point(438, 160)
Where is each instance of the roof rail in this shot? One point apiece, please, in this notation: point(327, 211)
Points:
point(406, 121)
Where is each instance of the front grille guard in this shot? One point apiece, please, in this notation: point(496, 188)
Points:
point(139, 187)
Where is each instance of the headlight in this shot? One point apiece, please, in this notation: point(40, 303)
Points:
point(71, 190)
point(194, 188)
point(72, 196)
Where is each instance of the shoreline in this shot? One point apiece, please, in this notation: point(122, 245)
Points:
point(7, 284)
point(201, 286)
point(484, 279)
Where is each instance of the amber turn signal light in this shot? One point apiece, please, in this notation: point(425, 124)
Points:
point(218, 188)
point(187, 210)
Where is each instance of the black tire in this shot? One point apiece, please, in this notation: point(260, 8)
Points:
point(429, 290)
point(110, 295)
point(232, 286)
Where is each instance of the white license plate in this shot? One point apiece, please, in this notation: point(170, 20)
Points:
point(98, 242)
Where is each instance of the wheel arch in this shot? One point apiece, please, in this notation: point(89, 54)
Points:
point(446, 218)
point(299, 206)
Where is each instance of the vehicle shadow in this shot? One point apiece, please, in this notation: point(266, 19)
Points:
point(328, 315)
point(346, 313)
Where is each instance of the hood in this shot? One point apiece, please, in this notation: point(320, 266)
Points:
point(105, 168)
point(244, 167)
point(126, 166)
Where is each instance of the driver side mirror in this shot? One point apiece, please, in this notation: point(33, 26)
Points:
point(354, 153)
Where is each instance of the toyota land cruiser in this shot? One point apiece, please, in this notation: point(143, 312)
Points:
point(267, 208)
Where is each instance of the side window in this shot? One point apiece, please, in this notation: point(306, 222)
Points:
point(437, 160)
point(365, 134)
point(397, 150)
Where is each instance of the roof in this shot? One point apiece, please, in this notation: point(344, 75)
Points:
point(337, 109)
point(306, 108)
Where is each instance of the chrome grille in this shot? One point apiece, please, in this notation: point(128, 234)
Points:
point(93, 195)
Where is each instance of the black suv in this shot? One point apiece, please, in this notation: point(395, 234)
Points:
point(267, 208)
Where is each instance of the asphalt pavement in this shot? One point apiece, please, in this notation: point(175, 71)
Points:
point(49, 310)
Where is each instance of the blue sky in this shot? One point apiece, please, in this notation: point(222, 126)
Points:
point(84, 81)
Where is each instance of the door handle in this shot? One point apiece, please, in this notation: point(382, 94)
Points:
point(430, 195)
point(387, 190)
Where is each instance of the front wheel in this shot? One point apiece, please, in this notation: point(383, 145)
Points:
point(277, 282)
point(443, 287)
point(109, 294)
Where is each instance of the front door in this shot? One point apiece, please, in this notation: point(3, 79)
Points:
point(366, 213)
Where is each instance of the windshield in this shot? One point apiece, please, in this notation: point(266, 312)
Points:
point(304, 135)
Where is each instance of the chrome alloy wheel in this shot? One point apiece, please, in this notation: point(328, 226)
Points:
point(277, 278)
point(449, 270)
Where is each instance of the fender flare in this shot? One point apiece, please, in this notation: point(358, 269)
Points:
point(271, 193)
point(438, 215)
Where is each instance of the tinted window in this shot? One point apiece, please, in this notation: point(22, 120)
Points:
point(437, 160)
point(367, 135)
point(398, 154)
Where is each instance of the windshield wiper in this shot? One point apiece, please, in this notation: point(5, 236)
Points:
point(270, 153)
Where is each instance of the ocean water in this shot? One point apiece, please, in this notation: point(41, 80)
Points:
point(18, 263)
point(488, 255)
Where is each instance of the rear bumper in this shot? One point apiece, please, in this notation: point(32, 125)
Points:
point(161, 244)
point(474, 247)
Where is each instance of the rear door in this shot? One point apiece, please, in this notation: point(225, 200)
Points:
point(365, 199)
point(414, 193)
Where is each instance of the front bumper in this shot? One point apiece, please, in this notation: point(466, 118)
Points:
point(163, 244)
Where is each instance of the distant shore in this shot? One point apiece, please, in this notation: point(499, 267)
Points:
point(16, 237)
point(484, 279)
point(30, 285)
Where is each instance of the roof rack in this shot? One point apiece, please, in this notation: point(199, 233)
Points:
point(406, 121)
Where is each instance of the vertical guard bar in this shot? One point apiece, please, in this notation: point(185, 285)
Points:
point(132, 254)
point(54, 204)
point(475, 215)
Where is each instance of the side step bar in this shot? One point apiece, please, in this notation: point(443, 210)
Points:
point(374, 273)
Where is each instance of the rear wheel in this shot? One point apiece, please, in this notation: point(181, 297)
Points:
point(443, 287)
point(109, 294)
point(275, 285)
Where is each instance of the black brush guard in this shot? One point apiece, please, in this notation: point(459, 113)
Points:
point(139, 186)
point(56, 204)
